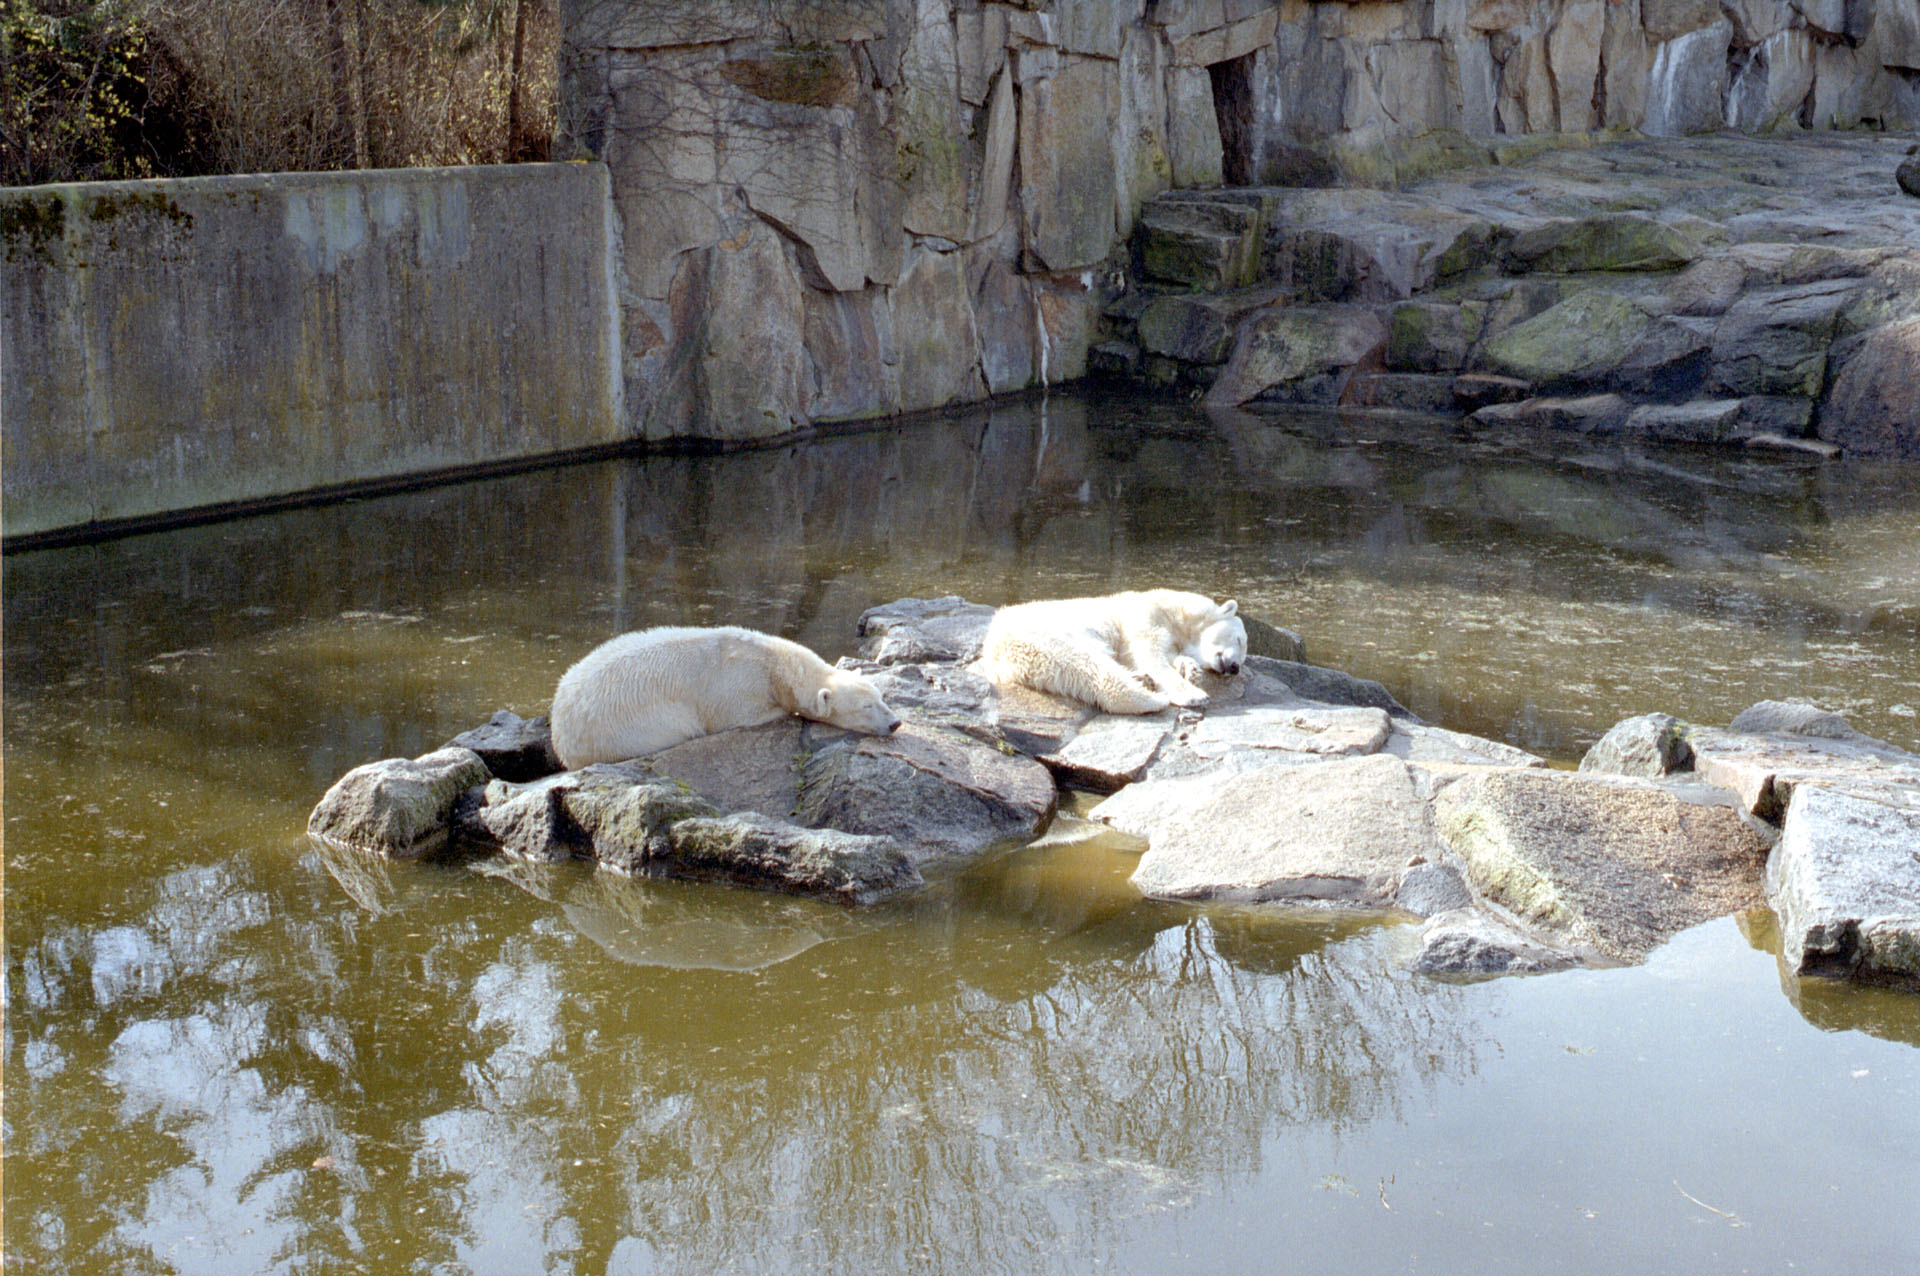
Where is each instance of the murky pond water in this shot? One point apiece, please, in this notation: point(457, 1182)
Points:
point(226, 1052)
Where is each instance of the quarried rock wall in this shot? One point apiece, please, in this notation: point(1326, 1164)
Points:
point(849, 209)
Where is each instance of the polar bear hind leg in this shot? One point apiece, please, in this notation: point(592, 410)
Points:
point(1071, 669)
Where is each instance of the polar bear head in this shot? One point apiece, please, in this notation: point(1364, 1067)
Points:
point(1222, 645)
point(849, 701)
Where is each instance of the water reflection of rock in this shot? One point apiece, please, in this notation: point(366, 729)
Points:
point(689, 927)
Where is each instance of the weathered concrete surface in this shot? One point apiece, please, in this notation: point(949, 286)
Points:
point(170, 345)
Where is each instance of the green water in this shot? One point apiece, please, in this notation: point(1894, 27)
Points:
point(226, 1052)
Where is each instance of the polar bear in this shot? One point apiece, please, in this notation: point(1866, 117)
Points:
point(1101, 650)
point(650, 690)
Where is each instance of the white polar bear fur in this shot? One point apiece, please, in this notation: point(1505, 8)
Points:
point(646, 691)
point(1096, 650)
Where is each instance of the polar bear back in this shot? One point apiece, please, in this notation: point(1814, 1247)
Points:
point(643, 692)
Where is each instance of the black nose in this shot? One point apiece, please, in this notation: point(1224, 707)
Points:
point(893, 726)
point(1232, 667)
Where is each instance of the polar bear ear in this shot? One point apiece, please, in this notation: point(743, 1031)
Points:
point(1229, 607)
point(823, 702)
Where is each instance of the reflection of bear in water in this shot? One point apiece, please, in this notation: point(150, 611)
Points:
point(647, 691)
point(1103, 650)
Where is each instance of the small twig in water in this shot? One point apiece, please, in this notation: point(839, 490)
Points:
point(1383, 1192)
point(1734, 1218)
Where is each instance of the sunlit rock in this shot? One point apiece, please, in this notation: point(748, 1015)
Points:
point(916, 630)
point(1111, 750)
point(400, 807)
point(1467, 941)
point(947, 797)
point(1616, 866)
point(1650, 745)
point(1845, 883)
point(1338, 832)
point(756, 850)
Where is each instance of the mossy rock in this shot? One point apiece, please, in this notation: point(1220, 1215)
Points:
point(1580, 339)
point(1611, 241)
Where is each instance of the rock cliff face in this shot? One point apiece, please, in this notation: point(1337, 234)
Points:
point(847, 209)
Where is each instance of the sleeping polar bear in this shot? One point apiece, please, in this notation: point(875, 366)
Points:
point(1097, 650)
point(647, 691)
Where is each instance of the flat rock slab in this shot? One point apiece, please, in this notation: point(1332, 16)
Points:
point(1335, 732)
point(1340, 832)
point(1616, 866)
point(948, 798)
point(1414, 741)
point(1111, 751)
point(1765, 770)
point(1762, 756)
point(917, 630)
point(1845, 884)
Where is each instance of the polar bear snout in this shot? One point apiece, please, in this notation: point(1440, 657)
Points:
point(1226, 665)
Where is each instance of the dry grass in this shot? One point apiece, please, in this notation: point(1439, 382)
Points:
point(233, 86)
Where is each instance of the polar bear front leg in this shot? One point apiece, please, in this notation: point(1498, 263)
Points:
point(1174, 675)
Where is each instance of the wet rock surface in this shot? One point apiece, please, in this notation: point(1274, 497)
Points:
point(1294, 786)
point(1719, 291)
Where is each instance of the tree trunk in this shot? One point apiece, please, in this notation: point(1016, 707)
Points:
point(346, 142)
point(515, 144)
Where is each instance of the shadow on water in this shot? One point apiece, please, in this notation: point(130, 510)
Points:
point(227, 1050)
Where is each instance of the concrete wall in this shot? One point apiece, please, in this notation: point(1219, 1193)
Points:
point(170, 345)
